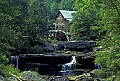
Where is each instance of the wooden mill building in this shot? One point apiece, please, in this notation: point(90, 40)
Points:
point(63, 19)
point(62, 25)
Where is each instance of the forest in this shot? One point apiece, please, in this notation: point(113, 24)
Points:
point(23, 26)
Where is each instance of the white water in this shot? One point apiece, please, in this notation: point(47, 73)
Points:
point(17, 58)
point(69, 66)
point(97, 66)
point(14, 61)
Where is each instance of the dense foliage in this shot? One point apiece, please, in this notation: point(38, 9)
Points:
point(84, 25)
point(67, 4)
point(23, 26)
point(99, 20)
point(110, 58)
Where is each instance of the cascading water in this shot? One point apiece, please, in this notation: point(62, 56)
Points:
point(97, 66)
point(71, 65)
point(17, 58)
point(14, 60)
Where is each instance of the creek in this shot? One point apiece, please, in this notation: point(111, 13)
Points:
point(59, 63)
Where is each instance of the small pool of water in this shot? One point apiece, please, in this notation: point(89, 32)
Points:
point(62, 73)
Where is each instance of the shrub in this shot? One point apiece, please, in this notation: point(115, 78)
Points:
point(6, 71)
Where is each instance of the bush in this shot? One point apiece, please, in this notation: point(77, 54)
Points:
point(6, 71)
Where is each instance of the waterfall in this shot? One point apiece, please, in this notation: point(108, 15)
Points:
point(17, 61)
point(71, 65)
point(97, 66)
point(14, 61)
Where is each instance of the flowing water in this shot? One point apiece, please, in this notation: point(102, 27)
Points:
point(15, 61)
point(69, 66)
point(68, 69)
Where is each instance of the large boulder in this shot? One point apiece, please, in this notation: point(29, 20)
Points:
point(2, 78)
point(31, 76)
point(12, 79)
point(82, 46)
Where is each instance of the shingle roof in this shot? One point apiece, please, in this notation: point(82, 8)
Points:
point(67, 14)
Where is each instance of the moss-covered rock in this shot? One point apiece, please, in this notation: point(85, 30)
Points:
point(31, 76)
point(12, 79)
point(2, 78)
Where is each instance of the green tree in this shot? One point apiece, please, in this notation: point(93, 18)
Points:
point(35, 27)
point(84, 25)
point(12, 17)
point(67, 4)
point(111, 42)
point(105, 15)
point(52, 8)
point(37, 20)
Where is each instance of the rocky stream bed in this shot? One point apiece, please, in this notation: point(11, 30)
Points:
point(34, 76)
point(69, 50)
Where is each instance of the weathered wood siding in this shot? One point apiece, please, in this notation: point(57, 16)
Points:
point(61, 23)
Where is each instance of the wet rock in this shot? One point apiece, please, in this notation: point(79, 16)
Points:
point(11, 79)
point(2, 78)
point(31, 76)
point(86, 77)
point(61, 79)
point(57, 78)
point(82, 45)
